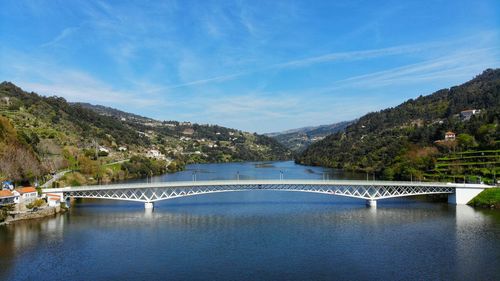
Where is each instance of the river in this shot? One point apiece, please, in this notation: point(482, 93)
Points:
point(256, 235)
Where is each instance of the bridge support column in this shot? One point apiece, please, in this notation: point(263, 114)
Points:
point(149, 205)
point(68, 202)
point(371, 203)
point(463, 195)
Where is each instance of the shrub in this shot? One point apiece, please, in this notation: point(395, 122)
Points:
point(37, 203)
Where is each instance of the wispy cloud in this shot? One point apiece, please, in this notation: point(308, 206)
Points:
point(331, 57)
point(438, 48)
point(65, 33)
point(459, 64)
point(355, 55)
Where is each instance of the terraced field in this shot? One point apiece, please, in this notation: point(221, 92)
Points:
point(471, 166)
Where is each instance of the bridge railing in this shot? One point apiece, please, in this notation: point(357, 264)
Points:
point(174, 184)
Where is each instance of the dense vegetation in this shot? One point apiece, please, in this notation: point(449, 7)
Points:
point(406, 141)
point(41, 135)
point(140, 166)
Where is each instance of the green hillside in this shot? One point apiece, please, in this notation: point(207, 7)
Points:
point(407, 141)
point(51, 135)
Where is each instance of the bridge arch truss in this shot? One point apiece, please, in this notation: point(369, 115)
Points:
point(149, 193)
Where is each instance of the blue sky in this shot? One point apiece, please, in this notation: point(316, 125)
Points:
point(252, 65)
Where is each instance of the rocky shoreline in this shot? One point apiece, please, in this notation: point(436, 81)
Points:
point(41, 213)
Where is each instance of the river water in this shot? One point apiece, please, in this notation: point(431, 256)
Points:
point(256, 235)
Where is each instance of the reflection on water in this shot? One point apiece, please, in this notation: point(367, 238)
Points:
point(283, 235)
point(256, 235)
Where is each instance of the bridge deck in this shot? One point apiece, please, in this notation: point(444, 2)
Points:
point(177, 184)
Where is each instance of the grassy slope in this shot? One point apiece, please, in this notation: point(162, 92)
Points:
point(487, 199)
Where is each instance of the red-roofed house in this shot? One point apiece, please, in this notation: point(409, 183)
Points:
point(7, 197)
point(449, 136)
point(27, 194)
point(54, 199)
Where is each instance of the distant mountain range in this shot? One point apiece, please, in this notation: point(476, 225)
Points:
point(299, 139)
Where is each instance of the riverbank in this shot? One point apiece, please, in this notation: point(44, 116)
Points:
point(489, 198)
point(29, 215)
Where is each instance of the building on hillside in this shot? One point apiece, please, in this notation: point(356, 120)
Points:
point(103, 149)
point(449, 136)
point(122, 148)
point(467, 114)
point(153, 153)
point(7, 197)
point(27, 194)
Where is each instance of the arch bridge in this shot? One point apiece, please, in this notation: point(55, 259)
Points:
point(371, 191)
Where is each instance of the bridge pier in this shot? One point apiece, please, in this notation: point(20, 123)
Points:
point(149, 205)
point(371, 203)
point(464, 194)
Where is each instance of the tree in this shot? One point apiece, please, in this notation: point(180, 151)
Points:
point(87, 166)
point(466, 141)
point(389, 173)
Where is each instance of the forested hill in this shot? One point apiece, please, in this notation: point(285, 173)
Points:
point(407, 141)
point(52, 134)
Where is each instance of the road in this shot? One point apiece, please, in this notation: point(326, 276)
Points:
point(55, 178)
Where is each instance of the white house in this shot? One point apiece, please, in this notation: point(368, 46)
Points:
point(153, 153)
point(122, 148)
point(449, 136)
point(54, 201)
point(467, 114)
point(27, 194)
